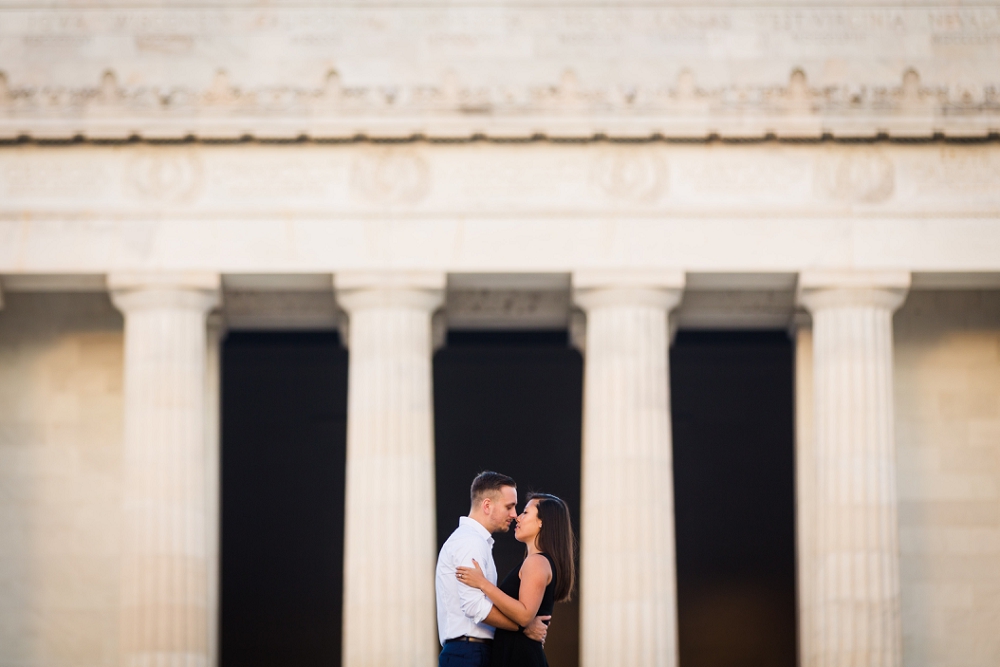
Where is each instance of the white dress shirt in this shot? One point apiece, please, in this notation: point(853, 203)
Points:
point(460, 608)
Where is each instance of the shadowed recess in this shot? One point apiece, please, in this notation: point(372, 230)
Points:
point(511, 402)
point(284, 432)
point(732, 400)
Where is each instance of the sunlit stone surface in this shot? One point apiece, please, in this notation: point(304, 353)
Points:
point(628, 503)
point(856, 595)
point(165, 551)
point(389, 540)
point(484, 162)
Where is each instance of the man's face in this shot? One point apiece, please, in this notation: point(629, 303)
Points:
point(502, 509)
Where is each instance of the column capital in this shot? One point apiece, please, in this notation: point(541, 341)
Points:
point(188, 290)
point(360, 290)
point(603, 288)
point(844, 289)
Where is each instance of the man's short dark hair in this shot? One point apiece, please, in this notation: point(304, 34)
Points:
point(487, 483)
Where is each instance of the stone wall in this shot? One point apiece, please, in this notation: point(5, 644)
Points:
point(60, 459)
point(948, 438)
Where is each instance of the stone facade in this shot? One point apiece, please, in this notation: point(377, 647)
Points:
point(391, 171)
point(948, 443)
point(62, 448)
point(557, 69)
point(60, 479)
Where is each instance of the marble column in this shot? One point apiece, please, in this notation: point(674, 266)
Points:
point(805, 483)
point(389, 536)
point(213, 475)
point(856, 605)
point(628, 598)
point(164, 566)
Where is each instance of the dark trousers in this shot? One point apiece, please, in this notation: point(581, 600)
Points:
point(465, 654)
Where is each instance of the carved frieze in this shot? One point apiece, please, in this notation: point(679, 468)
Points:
point(954, 170)
point(156, 175)
point(284, 175)
point(459, 70)
point(426, 186)
point(860, 175)
point(630, 176)
point(390, 176)
point(761, 175)
point(38, 176)
point(567, 108)
point(528, 309)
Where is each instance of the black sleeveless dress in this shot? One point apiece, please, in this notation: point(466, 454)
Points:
point(514, 649)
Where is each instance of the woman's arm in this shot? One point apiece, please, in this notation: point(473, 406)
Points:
point(536, 573)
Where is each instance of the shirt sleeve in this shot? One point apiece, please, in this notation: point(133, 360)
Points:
point(474, 602)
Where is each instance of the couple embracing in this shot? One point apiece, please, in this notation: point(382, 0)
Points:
point(481, 624)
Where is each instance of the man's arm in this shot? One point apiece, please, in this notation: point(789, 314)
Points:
point(537, 629)
point(474, 602)
point(498, 620)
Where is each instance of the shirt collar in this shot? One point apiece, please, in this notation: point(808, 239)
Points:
point(480, 529)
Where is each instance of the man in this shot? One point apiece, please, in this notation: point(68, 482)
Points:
point(466, 617)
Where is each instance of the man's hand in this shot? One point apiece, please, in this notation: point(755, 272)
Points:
point(538, 628)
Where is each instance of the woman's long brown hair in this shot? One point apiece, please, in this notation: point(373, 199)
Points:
point(557, 540)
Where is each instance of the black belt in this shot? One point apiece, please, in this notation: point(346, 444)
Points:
point(466, 638)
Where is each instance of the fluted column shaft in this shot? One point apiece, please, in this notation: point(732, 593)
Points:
point(805, 485)
point(164, 568)
point(390, 539)
point(628, 600)
point(213, 476)
point(856, 606)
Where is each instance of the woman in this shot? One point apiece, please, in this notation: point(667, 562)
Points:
point(545, 577)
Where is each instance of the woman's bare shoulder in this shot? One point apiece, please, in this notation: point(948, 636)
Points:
point(537, 565)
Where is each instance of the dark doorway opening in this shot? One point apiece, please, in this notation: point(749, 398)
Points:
point(732, 396)
point(511, 402)
point(284, 416)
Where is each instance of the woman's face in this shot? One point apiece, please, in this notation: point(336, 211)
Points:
point(528, 523)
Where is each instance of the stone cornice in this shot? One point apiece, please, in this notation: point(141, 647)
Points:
point(108, 110)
